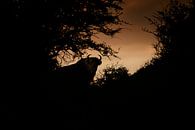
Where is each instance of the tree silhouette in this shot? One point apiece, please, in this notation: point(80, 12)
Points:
point(69, 26)
point(172, 66)
point(172, 26)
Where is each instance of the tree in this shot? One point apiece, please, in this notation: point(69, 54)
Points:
point(68, 27)
point(172, 65)
point(172, 27)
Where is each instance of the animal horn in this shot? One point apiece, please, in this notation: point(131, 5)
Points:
point(100, 57)
point(88, 55)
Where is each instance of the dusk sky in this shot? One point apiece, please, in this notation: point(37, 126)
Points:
point(135, 45)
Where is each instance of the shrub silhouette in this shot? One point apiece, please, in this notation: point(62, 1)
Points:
point(172, 65)
point(111, 75)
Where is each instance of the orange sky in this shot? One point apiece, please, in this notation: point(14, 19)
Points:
point(135, 45)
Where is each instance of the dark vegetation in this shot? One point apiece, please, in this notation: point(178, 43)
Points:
point(171, 70)
point(35, 32)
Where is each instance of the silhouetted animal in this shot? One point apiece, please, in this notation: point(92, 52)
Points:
point(81, 72)
point(73, 80)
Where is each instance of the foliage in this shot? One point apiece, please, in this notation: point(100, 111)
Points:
point(69, 25)
point(173, 63)
point(169, 26)
point(112, 74)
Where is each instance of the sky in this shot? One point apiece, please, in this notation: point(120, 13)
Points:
point(136, 46)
